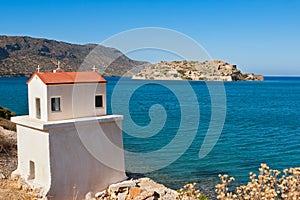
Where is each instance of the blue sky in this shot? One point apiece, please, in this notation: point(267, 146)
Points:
point(260, 36)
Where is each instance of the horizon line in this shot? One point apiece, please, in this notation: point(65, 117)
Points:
point(284, 75)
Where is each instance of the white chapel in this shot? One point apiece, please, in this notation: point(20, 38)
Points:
point(68, 144)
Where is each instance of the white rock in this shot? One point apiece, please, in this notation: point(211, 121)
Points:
point(122, 196)
point(125, 184)
point(89, 196)
point(2, 176)
point(100, 194)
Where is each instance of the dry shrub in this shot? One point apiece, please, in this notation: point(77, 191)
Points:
point(7, 124)
point(267, 185)
point(6, 114)
point(7, 145)
point(189, 192)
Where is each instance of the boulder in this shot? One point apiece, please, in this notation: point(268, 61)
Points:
point(147, 195)
point(89, 196)
point(100, 194)
point(123, 195)
point(134, 192)
point(115, 189)
point(138, 189)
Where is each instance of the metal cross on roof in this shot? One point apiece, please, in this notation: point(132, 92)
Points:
point(94, 68)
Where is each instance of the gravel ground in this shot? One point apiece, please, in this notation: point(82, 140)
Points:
point(10, 189)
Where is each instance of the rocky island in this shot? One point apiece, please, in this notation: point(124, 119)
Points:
point(215, 70)
point(20, 56)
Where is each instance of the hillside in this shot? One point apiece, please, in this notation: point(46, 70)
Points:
point(215, 70)
point(20, 56)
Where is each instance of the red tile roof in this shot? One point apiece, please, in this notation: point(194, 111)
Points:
point(50, 78)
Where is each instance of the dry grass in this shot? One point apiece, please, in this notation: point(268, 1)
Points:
point(11, 189)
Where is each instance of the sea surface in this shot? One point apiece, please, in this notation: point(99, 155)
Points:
point(262, 125)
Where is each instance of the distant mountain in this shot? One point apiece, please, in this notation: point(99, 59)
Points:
point(20, 56)
point(214, 70)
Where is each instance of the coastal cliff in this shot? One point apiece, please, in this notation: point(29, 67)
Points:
point(215, 70)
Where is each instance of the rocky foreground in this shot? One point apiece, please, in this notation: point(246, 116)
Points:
point(215, 70)
point(138, 189)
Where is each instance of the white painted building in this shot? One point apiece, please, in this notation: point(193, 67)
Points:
point(68, 144)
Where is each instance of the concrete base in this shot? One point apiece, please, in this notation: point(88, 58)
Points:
point(70, 158)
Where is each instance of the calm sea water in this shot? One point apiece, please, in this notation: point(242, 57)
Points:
point(262, 126)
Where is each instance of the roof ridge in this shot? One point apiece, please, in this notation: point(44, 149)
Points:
point(68, 77)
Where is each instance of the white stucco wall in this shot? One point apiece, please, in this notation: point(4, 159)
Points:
point(76, 100)
point(33, 145)
point(76, 169)
point(81, 96)
point(37, 89)
point(71, 156)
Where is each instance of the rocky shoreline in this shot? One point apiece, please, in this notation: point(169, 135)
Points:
point(136, 187)
point(215, 70)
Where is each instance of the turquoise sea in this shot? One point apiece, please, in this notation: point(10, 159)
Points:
point(262, 126)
